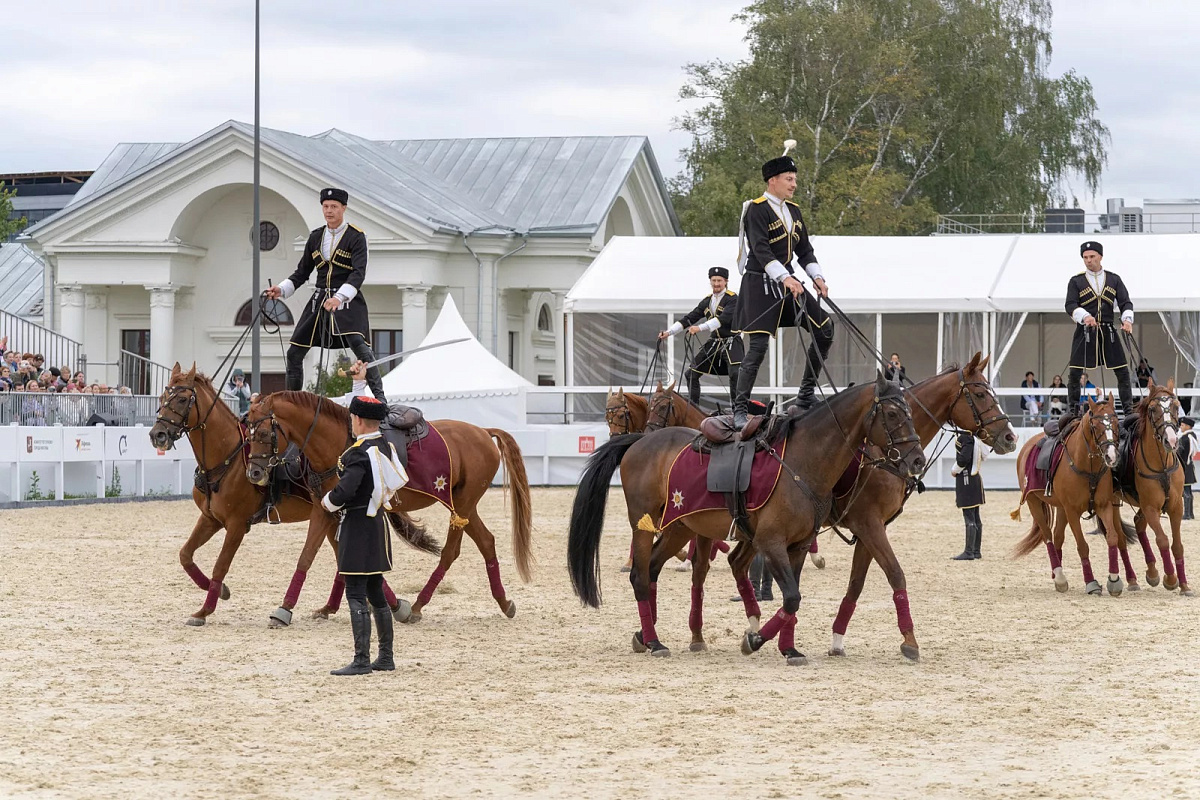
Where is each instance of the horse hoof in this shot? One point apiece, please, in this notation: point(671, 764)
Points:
point(910, 651)
point(751, 642)
point(402, 611)
point(414, 617)
point(752, 624)
point(638, 645)
point(1170, 583)
point(1133, 586)
point(795, 658)
point(280, 618)
point(1186, 592)
point(837, 651)
point(657, 649)
point(1093, 587)
point(510, 610)
point(1115, 588)
point(194, 622)
point(1061, 586)
point(1152, 576)
point(818, 560)
point(698, 647)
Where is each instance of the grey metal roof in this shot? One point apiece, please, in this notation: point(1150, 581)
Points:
point(544, 184)
point(21, 274)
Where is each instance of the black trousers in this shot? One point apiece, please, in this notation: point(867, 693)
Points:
point(693, 381)
point(362, 351)
point(366, 587)
point(1124, 389)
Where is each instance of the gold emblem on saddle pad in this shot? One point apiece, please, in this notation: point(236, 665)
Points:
point(677, 499)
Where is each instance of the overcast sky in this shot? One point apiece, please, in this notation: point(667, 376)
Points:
point(81, 76)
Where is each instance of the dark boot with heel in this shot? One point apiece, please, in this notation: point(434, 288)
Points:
point(360, 624)
point(383, 627)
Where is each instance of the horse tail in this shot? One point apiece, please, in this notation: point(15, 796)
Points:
point(522, 511)
point(1015, 514)
point(413, 533)
point(587, 516)
point(1029, 542)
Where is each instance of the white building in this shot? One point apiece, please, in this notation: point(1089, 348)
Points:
point(153, 255)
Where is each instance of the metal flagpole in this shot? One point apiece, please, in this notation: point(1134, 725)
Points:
point(255, 352)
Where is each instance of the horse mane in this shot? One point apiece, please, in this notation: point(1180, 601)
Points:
point(314, 402)
point(833, 404)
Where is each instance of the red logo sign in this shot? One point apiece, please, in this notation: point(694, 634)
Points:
point(587, 444)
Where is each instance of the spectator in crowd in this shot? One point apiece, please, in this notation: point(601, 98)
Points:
point(6, 377)
point(33, 409)
point(1188, 452)
point(1145, 373)
point(1057, 399)
point(1031, 403)
point(895, 370)
point(239, 390)
point(1087, 389)
point(73, 407)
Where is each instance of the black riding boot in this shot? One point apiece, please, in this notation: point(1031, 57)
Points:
point(978, 540)
point(294, 380)
point(1187, 503)
point(693, 382)
point(968, 553)
point(383, 627)
point(741, 399)
point(360, 623)
point(764, 587)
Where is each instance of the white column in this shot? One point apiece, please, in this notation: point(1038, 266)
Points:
point(415, 306)
point(485, 320)
point(162, 324)
point(560, 339)
point(70, 300)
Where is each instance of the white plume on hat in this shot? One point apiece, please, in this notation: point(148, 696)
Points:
point(788, 145)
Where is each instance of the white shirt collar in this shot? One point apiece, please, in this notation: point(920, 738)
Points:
point(363, 436)
point(335, 231)
point(772, 198)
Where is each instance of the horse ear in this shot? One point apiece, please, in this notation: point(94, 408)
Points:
point(880, 381)
point(621, 392)
point(659, 388)
point(1150, 385)
point(1171, 385)
point(974, 362)
point(671, 388)
point(175, 370)
point(1110, 400)
point(1091, 405)
point(192, 371)
point(983, 362)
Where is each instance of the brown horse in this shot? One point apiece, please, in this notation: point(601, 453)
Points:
point(474, 461)
point(1082, 483)
point(962, 396)
point(190, 406)
point(818, 448)
point(1158, 486)
point(625, 413)
point(668, 408)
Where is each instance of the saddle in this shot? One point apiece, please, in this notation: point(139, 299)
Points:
point(731, 457)
point(291, 477)
point(403, 426)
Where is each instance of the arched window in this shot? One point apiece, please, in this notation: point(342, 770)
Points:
point(543, 321)
point(277, 312)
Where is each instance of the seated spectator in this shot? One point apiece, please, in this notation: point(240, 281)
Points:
point(1031, 403)
point(33, 408)
point(1087, 389)
point(1057, 399)
point(6, 377)
point(80, 381)
point(1145, 373)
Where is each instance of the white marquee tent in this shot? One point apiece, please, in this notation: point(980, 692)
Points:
point(458, 381)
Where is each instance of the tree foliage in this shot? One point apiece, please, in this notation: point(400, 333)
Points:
point(8, 226)
point(901, 109)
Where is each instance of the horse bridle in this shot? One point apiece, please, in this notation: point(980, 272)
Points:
point(179, 428)
point(272, 459)
point(652, 425)
point(1161, 424)
point(891, 451)
point(981, 425)
point(611, 412)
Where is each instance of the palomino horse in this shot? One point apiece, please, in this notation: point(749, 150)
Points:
point(226, 499)
point(961, 395)
point(1158, 486)
point(321, 427)
point(817, 448)
point(1081, 483)
point(624, 413)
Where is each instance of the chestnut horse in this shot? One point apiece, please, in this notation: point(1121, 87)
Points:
point(1082, 482)
point(624, 413)
point(668, 408)
point(1158, 486)
point(190, 406)
point(323, 437)
point(818, 448)
point(961, 395)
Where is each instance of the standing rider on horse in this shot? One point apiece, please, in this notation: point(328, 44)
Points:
point(1094, 299)
point(772, 244)
point(336, 317)
point(722, 354)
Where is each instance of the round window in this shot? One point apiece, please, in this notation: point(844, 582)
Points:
point(268, 236)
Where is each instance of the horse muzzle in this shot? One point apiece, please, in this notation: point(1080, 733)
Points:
point(161, 439)
point(257, 475)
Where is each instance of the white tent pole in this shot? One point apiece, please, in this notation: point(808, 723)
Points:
point(879, 333)
point(941, 343)
point(1011, 341)
point(569, 378)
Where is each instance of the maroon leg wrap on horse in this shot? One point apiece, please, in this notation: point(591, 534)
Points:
point(214, 594)
point(719, 545)
point(1179, 570)
point(842, 620)
point(335, 593)
point(746, 590)
point(903, 617)
point(1086, 563)
point(696, 617)
point(430, 586)
point(812, 548)
point(1130, 574)
point(646, 614)
point(1168, 562)
point(389, 595)
point(787, 635)
point(197, 575)
point(493, 571)
point(1147, 550)
point(1114, 567)
point(293, 591)
point(775, 624)
point(1055, 557)
point(654, 602)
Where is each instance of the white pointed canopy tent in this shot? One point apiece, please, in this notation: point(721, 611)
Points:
point(458, 381)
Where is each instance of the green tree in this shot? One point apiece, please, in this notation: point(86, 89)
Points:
point(329, 383)
point(8, 226)
point(901, 109)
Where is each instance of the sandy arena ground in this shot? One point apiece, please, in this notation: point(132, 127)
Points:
point(1020, 692)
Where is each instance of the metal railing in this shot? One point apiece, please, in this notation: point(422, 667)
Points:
point(29, 337)
point(1058, 222)
point(36, 408)
point(139, 373)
